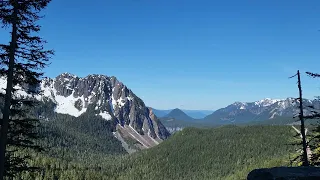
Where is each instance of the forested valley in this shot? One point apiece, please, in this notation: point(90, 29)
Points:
point(229, 152)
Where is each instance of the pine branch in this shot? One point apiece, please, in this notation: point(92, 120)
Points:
point(313, 75)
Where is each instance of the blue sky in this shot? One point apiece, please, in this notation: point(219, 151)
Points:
point(202, 54)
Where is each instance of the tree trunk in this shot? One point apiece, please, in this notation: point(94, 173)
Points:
point(304, 142)
point(8, 96)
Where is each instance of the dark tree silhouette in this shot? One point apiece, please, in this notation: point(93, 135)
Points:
point(305, 161)
point(21, 61)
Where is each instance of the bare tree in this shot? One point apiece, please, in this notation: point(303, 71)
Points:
point(305, 161)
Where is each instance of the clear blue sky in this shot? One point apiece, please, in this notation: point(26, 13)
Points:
point(202, 54)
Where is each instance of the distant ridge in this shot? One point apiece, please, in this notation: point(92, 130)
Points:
point(161, 113)
point(178, 114)
point(265, 109)
point(196, 114)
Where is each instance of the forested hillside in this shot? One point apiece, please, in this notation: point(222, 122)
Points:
point(228, 152)
point(84, 134)
point(87, 133)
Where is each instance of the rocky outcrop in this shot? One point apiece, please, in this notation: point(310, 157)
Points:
point(285, 173)
point(106, 97)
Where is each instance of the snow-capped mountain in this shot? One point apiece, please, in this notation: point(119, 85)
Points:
point(106, 97)
point(240, 112)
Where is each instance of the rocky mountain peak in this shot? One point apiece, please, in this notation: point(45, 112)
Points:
point(106, 97)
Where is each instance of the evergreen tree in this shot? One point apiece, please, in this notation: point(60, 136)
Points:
point(21, 62)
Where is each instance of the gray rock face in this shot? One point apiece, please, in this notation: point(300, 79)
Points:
point(285, 173)
point(106, 95)
point(78, 104)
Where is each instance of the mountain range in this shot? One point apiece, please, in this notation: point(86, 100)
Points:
point(265, 111)
point(262, 110)
point(109, 99)
point(103, 97)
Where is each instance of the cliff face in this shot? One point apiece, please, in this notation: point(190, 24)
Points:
point(106, 97)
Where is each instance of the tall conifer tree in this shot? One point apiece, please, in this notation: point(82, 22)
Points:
point(21, 61)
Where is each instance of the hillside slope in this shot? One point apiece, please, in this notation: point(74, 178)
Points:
point(228, 152)
point(78, 138)
point(219, 153)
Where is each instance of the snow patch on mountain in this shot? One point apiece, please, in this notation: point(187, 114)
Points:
point(46, 90)
point(19, 90)
point(273, 115)
point(3, 84)
point(66, 105)
point(105, 115)
point(266, 102)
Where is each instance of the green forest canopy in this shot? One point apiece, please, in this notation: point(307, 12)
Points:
point(228, 152)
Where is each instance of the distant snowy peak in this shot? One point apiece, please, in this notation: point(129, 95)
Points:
point(260, 103)
point(266, 102)
point(242, 112)
point(271, 107)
